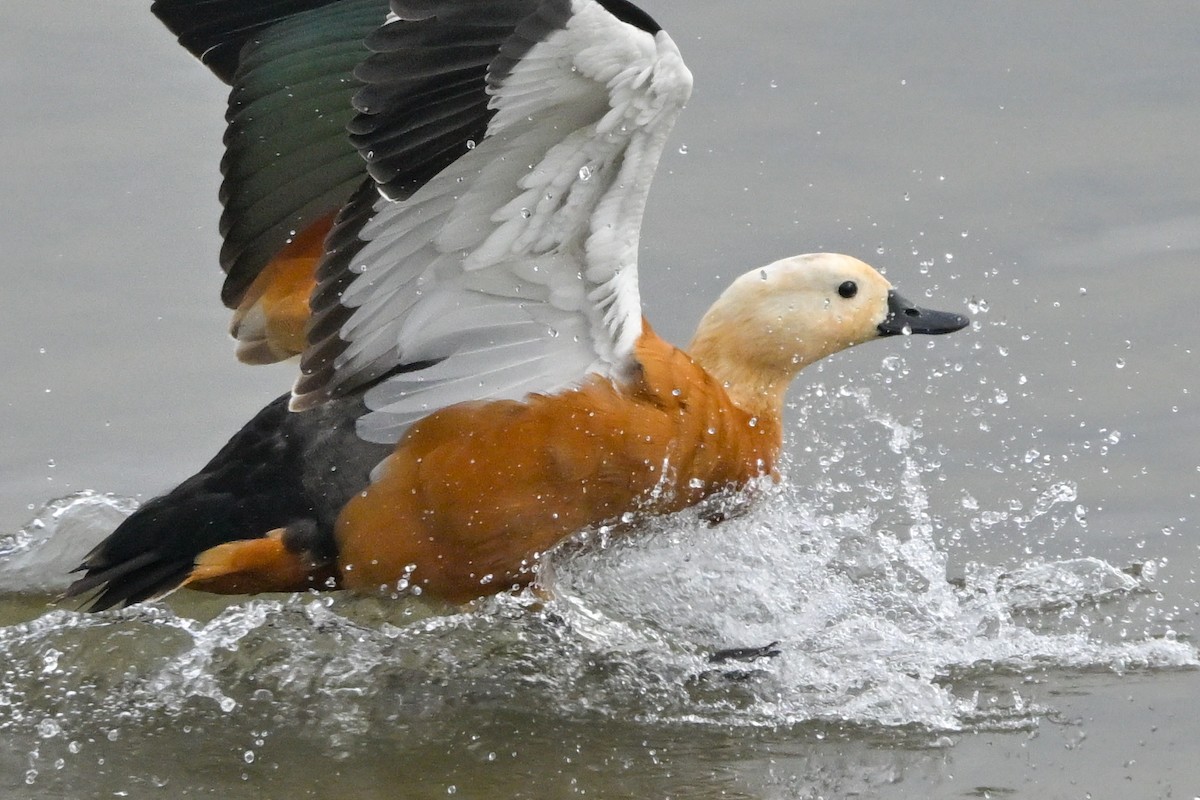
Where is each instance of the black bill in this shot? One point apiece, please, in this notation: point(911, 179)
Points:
point(904, 318)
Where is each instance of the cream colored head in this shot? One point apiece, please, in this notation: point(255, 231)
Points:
point(774, 321)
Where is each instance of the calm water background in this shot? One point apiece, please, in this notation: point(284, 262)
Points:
point(1033, 162)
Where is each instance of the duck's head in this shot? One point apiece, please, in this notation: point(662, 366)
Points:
point(774, 321)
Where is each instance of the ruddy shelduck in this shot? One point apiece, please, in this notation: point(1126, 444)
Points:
point(477, 381)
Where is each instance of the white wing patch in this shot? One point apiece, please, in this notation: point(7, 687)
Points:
point(515, 269)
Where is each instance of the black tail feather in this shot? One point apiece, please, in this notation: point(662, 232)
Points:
point(99, 572)
point(252, 486)
point(147, 584)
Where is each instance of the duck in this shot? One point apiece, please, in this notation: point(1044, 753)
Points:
point(436, 206)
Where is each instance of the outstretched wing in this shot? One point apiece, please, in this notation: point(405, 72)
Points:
point(513, 143)
point(288, 166)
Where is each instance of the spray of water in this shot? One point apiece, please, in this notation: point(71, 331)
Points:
point(852, 585)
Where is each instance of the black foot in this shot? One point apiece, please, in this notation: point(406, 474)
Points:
point(745, 654)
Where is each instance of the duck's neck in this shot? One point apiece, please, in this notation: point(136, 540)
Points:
point(757, 391)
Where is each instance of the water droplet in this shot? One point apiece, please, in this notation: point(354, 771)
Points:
point(683, 149)
point(470, 144)
point(526, 213)
point(248, 756)
point(1120, 363)
point(585, 173)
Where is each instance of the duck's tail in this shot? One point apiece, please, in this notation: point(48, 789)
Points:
point(243, 524)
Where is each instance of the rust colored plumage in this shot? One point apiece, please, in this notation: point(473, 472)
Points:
point(270, 320)
point(476, 491)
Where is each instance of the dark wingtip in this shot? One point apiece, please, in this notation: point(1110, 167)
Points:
point(628, 12)
point(215, 31)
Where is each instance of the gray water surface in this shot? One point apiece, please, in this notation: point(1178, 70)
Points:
point(1033, 164)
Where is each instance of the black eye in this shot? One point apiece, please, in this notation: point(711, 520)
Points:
point(848, 289)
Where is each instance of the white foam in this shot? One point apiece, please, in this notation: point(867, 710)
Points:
point(38, 558)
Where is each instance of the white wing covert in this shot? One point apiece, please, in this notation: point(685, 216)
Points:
point(499, 257)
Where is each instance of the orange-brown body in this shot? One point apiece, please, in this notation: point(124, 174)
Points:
point(475, 492)
point(471, 496)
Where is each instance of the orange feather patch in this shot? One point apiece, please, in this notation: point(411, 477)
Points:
point(250, 566)
point(271, 317)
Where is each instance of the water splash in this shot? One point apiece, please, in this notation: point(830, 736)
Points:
point(845, 566)
point(871, 633)
point(37, 559)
